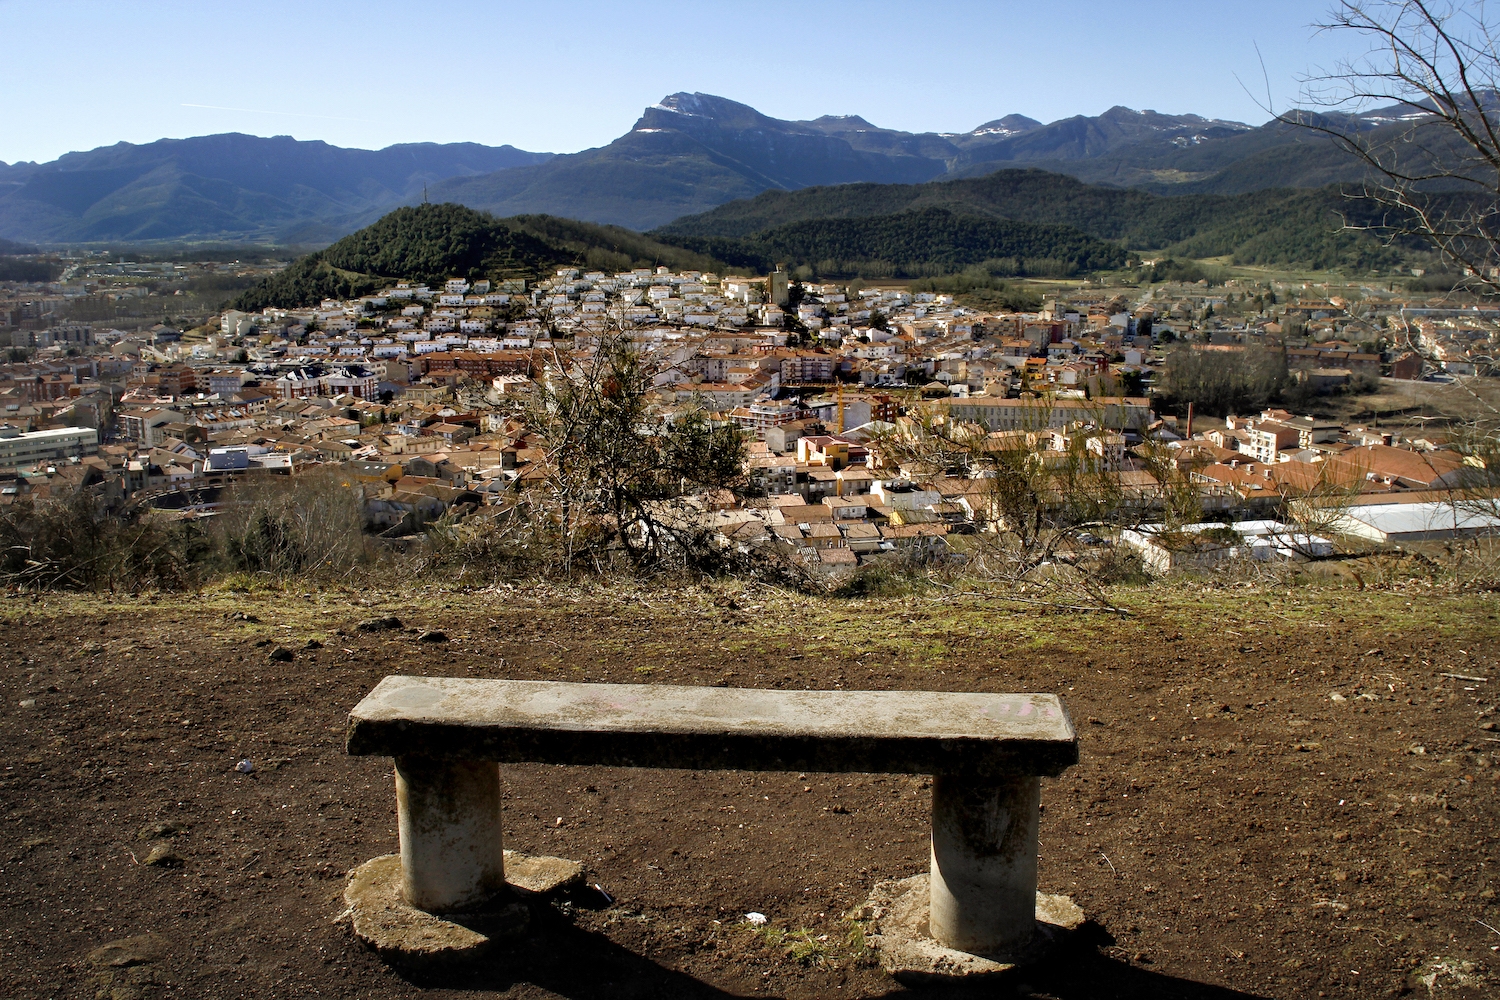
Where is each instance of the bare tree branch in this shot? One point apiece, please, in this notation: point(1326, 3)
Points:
point(1433, 160)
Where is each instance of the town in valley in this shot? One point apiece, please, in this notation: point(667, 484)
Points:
point(417, 395)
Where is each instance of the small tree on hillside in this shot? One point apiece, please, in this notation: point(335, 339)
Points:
point(1029, 503)
point(1178, 499)
point(612, 460)
point(1434, 175)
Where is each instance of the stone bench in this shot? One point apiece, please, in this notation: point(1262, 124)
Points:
point(986, 753)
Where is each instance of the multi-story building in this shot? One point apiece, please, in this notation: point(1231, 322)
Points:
point(144, 425)
point(808, 368)
point(57, 444)
point(993, 414)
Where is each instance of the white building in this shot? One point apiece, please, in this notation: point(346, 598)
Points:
point(1416, 522)
point(58, 444)
point(1205, 545)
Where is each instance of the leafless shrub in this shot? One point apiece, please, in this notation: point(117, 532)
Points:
point(1034, 508)
point(1474, 564)
point(1178, 499)
point(613, 463)
point(1318, 510)
point(74, 543)
point(309, 525)
point(521, 539)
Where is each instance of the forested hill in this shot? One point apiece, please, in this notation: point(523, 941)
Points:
point(1279, 226)
point(424, 243)
point(1016, 222)
point(923, 242)
point(431, 243)
point(14, 268)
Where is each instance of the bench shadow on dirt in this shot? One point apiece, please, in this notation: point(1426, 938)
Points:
point(568, 961)
point(571, 962)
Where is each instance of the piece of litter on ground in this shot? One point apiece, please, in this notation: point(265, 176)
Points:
point(608, 899)
point(245, 767)
point(1466, 677)
point(755, 919)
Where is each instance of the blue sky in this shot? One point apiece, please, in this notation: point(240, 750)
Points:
point(564, 77)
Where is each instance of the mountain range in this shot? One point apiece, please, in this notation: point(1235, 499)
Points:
point(228, 187)
point(692, 152)
point(684, 156)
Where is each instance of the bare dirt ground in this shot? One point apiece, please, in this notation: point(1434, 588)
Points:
point(1280, 793)
point(1417, 408)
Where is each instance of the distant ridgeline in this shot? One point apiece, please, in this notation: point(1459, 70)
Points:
point(1275, 226)
point(687, 159)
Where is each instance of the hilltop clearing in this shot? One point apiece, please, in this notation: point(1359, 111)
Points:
point(1280, 792)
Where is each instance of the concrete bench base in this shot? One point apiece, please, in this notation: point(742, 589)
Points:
point(986, 752)
point(897, 929)
point(380, 917)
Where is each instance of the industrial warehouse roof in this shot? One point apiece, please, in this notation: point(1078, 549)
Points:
point(1416, 521)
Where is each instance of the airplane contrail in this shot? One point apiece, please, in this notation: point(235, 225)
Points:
point(292, 114)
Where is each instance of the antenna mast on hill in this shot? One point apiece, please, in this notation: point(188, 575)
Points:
point(424, 192)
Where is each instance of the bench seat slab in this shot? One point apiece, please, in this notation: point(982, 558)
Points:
point(745, 729)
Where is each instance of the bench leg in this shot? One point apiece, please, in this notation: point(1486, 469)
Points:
point(984, 841)
point(449, 813)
